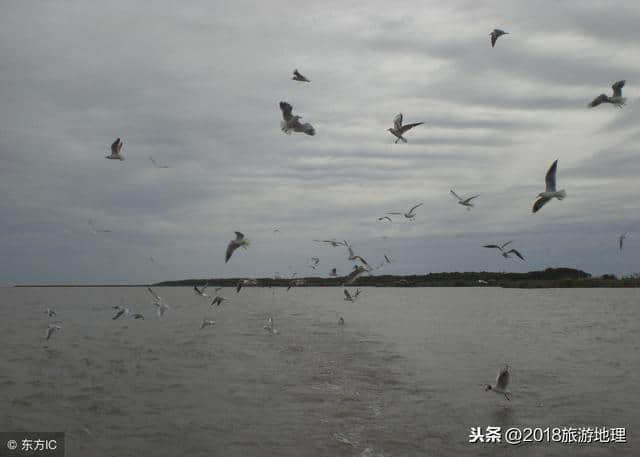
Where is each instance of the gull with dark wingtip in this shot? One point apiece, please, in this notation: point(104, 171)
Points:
point(464, 201)
point(240, 241)
point(502, 382)
point(398, 129)
point(616, 99)
point(116, 147)
point(505, 254)
point(297, 76)
point(550, 191)
point(409, 215)
point(291, 123)
point(495, 35)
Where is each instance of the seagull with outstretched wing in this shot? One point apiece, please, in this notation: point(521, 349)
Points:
point(502, 382)
point(616, 99)
point(497, 33)
point(464, 201)
point(291, 123)
point(240, 241)
point(399, 129)
point(116, 147)
point(550, 190)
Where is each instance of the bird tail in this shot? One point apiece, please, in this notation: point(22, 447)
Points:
point(561, 194)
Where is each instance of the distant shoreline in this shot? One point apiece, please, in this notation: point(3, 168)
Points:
point(544, 279)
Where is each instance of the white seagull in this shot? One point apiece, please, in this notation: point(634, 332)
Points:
point(410, 215)
point(217, 300)
point(297, 76)
point(349, 297)
point(385, 218)
point(495, 35)
point(502, 382)
point(240, 241)
point(334, 272)
point(616, 99)
point(292, 123)
point(94, 230)
point(355, 273)
point(504, 253)
point(398, 129)
point(352, 256)
point(207, 323)
point(621, 239)
point(464, 201)
point(201, 291)
point(120, 310)
point(270, 326)
point(550, 192)
point(52, 328)
point(115, 150)
point(155, 164)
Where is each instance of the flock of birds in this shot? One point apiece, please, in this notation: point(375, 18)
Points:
point(291, 123)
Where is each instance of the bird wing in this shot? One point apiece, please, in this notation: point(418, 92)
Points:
point(540, 203)
point(471, 198)
point(239, 236)
point(599, 99)
point(516, 253)
point(387, 258)
point(409, 126)
point(230, 248)
point(155, 295)
point(305, 128)
point(617, 88)
point(494, 37)
point(115, 146)
point(502, 380)
point(118, 314)
point(492, 246)
point(550, 179)
point(397, 122)
point(347, 294)
point(396, 213)
point(362, 260)
point(351, 254)
point(455, 195)
point(286, 110)
point(506, 244)
point(417, 206)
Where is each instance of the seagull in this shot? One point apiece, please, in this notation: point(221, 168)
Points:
point(52, 328)
point(137, 316)
point(383, 218)
point(349, 297)
point(616, 100)
point(464, 202)
point(155, 164)
point(207, 323)
point(120, 310)
point(49, 312)
point(295, 283)
point(398, 129)
point(270, 327)
point(504, 253)
point(115, 150)
point(217, 300)
point(334, 272)
point(352, 256)
point(357, 271)
point(94, 230)
point(495, 34)
point(155, 296)
point(235, 244)
point(621, 239)
point(201, 291)
point(314, 261)
point(297, 76)
point(333, 243)
point(161, 308)
point(290, 122)
point(410, 215)
point(550, 191)
point(387, 259)
point(502, 381)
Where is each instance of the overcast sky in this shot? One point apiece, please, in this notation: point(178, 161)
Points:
point(197, 84)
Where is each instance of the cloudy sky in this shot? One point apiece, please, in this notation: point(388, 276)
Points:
point(196, 85)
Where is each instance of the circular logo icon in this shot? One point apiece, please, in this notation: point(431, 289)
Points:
point(12, 445)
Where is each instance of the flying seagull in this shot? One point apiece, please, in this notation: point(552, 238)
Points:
point(235, 244)
point(299, 77)
point(398, 129)
point(383, 218)
point(161, 308)
point(504, 253)
point(357, 271)
point(270, 327)
point(52, 328)
point(502, 382)
point(137, 316)
point(200, 292)
point(333, 243)
point(352, 256)
point(120, 310)
point(495, 34)
point(387, 259)
point(621, 239)
point(155, 164)
point(115, 150)
point(290, 122)
point(207, 323)
point(334, 272)
point(550, 192)
point(349, 297)
point(464, 201)
point(156, 297)
point(217, 300)
point(94, 230)
point(410, 215)
point(313, 262)
point(616, 100)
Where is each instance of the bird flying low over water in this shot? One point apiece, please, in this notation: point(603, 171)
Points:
point(240, 241)
point(464, 201)
point(51, 329)
point(299, 77)
point(120, 310)
point(333, 243)
point(409, 215)
point(352, 255)
point(385, 218)
point(207, 323)
point(495, 35)
point(502, 382)
point(217, 300)
point(115, 150)
point(355, 273)
point(200, 291)
point(616, 99)
point(550, 191)
point(398, 129)
point(349, 297)
point(292, 123)
point(505, 254)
